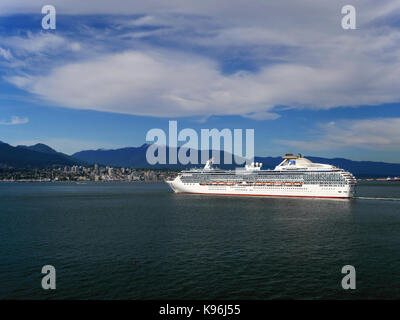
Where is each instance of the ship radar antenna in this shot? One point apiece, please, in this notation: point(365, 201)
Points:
point(209, 163)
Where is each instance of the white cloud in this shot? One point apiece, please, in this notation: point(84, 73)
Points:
point(263, 115)
point(34, 43)
point(6, 54)
point(248, 10)
point(167, 83)
point(38, 43)
point(14, 120)
point(370, 134)
point(75, 46)
point(315, 64)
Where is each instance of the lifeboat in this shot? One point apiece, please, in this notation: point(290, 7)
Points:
point(277, 183)
point(288, 183)
point(297, 183)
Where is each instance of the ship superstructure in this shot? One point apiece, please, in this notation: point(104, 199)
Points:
point(295, 176)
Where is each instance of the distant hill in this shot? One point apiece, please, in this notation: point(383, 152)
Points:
point(136, 158)
point(124, 157)
point(40, 147)
point(130, 157)
point(37, 156)
point(363, 168)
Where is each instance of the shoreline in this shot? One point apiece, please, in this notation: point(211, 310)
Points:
point(76, 182)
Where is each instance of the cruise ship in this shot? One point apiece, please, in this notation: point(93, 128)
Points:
point(295, 176)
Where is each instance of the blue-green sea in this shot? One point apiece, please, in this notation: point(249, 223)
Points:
point(141, 241)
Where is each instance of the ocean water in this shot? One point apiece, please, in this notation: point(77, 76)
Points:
point(141, 241)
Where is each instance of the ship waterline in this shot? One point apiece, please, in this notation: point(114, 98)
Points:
point(295, 176)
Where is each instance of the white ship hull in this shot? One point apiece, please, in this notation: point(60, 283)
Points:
point(306, 191)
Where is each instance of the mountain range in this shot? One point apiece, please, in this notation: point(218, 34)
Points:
point(41, 155)
point(136, 157)
point(36, 156)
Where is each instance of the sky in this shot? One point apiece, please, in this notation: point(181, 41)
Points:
point(113, 70)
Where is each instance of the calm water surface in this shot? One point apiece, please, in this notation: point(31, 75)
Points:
point(140, 241)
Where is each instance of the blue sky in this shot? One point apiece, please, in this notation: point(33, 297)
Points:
point(111, 72)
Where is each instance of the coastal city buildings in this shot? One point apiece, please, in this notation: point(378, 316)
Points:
point(81, 173)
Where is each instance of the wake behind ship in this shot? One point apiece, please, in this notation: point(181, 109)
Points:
point(295, 176)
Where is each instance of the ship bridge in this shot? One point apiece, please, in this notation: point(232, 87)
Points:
point(291, 162)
